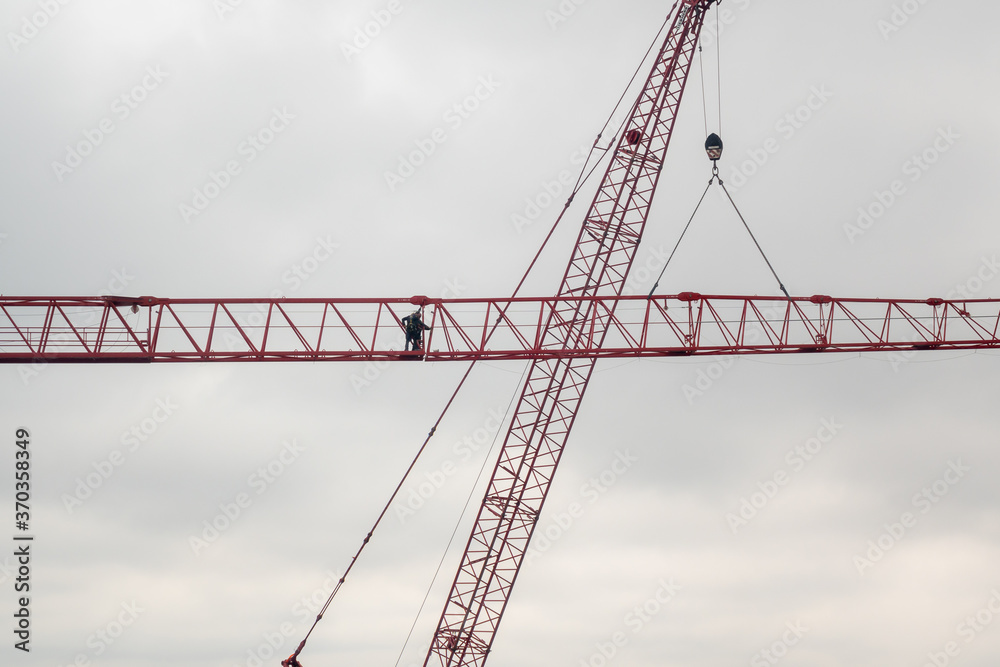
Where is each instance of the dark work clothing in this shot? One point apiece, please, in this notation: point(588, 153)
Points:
point(415, 329)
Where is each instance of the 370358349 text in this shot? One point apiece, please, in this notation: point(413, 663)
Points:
point(22, 541)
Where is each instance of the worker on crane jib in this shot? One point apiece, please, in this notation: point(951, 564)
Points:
point(415, 328)
point(291, 661)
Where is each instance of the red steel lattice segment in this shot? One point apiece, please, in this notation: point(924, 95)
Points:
point(550, 398)
point(101, 330)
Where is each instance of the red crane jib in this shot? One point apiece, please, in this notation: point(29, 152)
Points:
point(562, 336)
point(106, 330)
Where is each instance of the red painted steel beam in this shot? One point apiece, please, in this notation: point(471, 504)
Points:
point(106, 330)
point(581, 318)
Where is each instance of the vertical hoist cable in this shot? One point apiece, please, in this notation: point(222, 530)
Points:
point(704, 97)
point(715, 166)
point(718, 62)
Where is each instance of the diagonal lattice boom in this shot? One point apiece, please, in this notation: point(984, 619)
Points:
point(555, 387)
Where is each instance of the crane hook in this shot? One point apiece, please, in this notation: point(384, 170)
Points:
point(713, 146)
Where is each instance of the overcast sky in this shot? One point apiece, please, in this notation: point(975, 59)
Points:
point(209, 148)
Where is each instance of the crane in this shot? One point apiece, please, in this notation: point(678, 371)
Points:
point(81, 330)
point(562, 336)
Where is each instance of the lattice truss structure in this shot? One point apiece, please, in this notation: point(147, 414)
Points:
point(104, 329)
point(563, 336)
